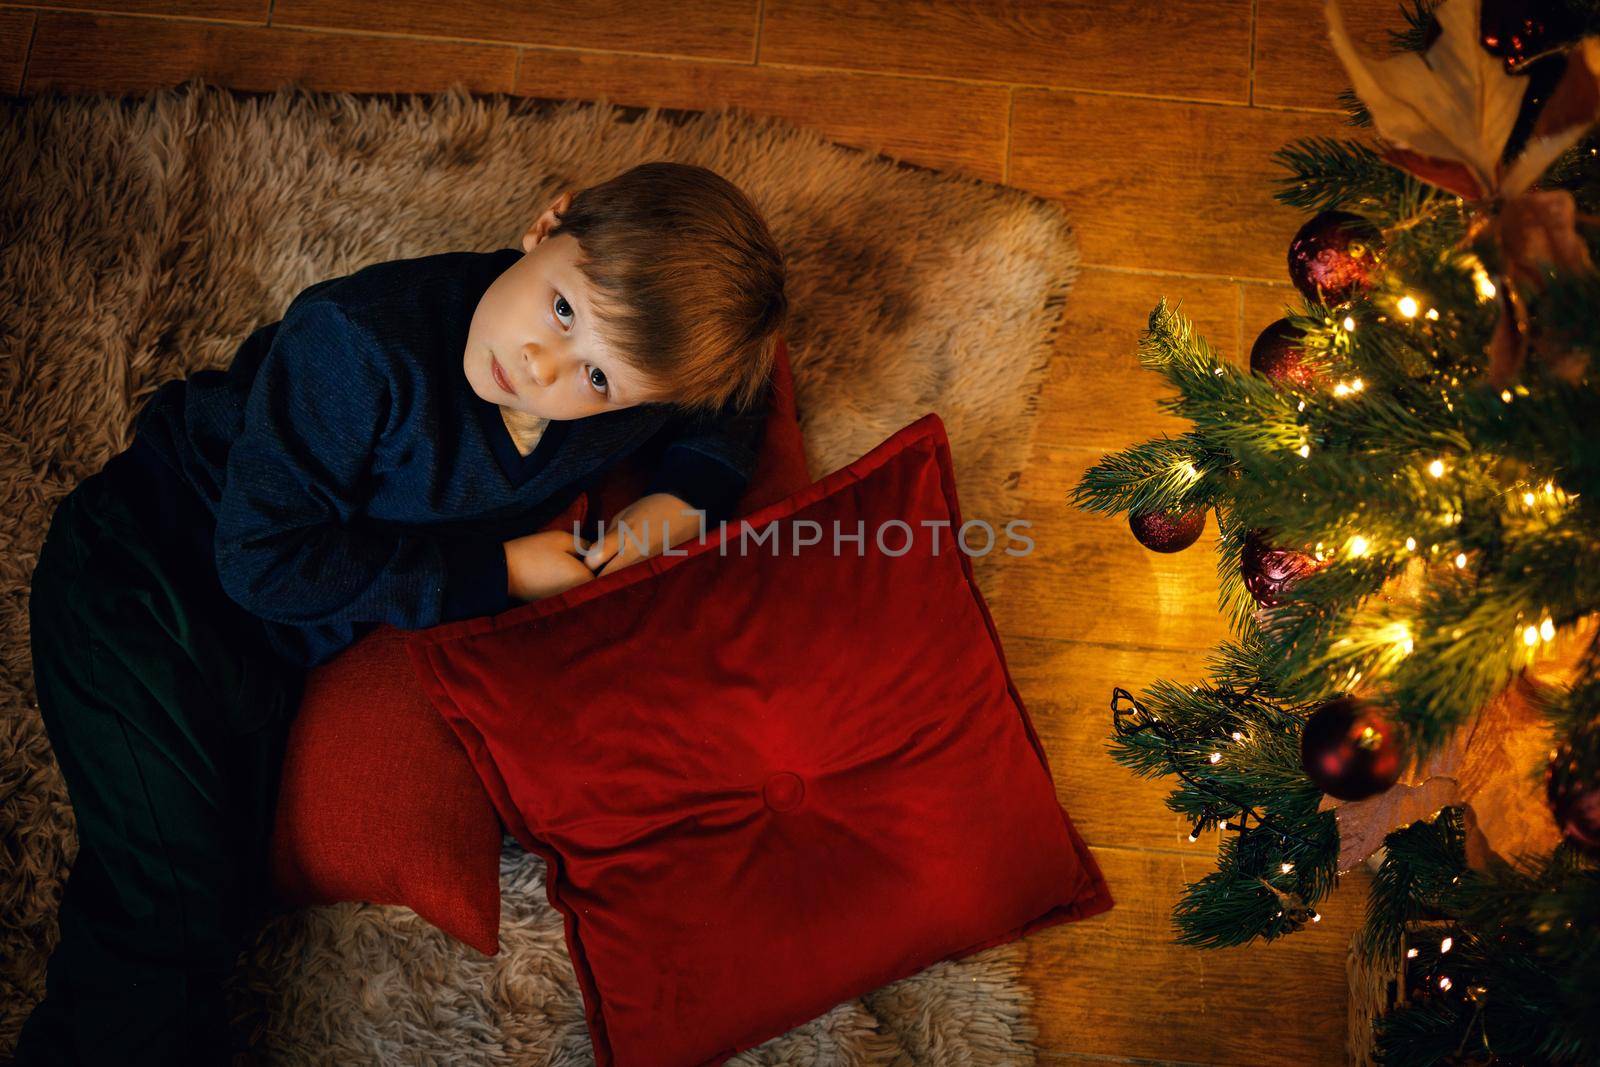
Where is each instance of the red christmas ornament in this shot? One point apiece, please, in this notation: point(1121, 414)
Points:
point(1516, 30)
point(1167, 531)
point(1333, 255)
point(1279, 356)
point(1268, 571)
point(1352, 749)
point(1572, 784)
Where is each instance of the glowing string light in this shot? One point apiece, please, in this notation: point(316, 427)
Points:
point(1481, 279)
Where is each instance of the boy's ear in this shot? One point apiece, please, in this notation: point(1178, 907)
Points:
point(544, 223)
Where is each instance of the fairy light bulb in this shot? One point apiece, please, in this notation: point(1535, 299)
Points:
point(1349, 324)
point(1461, 559)
point(1436, 468)
point(1411, 953)
point(1286, 867)
point(1408, 306)
point(1359, 546)
point(1400, 634)
point(1547, 630)
point(1215, 757)
point(1304, 451)
point(1481, 279)
point(1433, 315)
point(1530, 636)
point(1237, 736)
point(1445, 983)
point(1447, 944)
point(1411, 544)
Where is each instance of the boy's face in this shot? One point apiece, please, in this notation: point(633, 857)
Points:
point(536, 322)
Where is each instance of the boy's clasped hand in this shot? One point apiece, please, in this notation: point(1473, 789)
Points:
point(553, 561)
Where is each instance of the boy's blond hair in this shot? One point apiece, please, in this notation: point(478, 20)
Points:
point(687, 281)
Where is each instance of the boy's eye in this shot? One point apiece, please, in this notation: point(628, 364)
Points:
point(561, 302)
point(597, 378)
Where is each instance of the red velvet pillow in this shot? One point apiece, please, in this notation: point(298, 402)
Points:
point(767, 781)
point(377, 801)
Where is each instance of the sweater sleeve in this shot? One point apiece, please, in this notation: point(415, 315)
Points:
point(291, 543)
point(708, 460)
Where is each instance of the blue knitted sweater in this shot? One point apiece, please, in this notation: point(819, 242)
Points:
point(355, 477)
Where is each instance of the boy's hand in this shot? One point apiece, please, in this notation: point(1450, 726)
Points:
point(544, 564)
point(649, 518)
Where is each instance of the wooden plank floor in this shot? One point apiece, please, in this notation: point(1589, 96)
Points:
point(1152, 121)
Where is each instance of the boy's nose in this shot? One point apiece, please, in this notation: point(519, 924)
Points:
point(541, 368)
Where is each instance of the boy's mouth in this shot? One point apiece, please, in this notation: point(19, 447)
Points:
point(500, 377)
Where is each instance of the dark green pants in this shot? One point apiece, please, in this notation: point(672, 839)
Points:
point(168, 714)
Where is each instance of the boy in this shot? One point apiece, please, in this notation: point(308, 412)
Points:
point(378, 455)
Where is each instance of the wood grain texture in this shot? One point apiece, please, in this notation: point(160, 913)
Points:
point(1066, 687)
point(108, 53)
point(226, 10)
point(933, 123)
point(1116, 986)
point(1295, 64)
point(1097, 394)
point(1138, 46)
point(16, 33)
point(1087, 579)
point(1164, 186)
point(717, 29)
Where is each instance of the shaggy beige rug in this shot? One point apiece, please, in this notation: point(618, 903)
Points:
point(145, 237)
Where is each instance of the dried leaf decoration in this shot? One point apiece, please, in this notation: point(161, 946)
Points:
point(1565, 118)
point(1450, 109)
point(1445, 116)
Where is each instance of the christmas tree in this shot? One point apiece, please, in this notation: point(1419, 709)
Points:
point(1406, 483)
